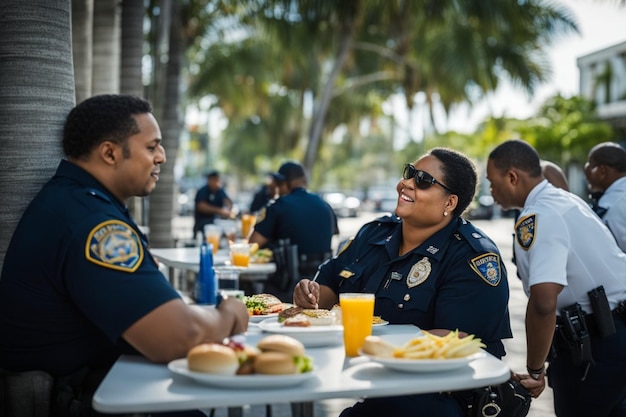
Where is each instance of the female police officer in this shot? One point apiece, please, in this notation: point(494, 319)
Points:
point(427, 266)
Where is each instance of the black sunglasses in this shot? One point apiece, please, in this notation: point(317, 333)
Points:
point(423, 180)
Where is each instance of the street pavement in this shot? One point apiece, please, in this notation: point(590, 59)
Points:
point(500, 230)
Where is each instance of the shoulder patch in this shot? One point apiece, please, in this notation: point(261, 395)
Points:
point(261, 215)
point(115, 245)
point(487, 266)
point(344, 245)
point(525, 231)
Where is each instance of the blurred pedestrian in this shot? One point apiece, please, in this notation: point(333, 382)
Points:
point(605, 171)
point(95, 292)
point(575, 277)
point(427, 266)
point(266, 193)
point(300, 216)
point(211, 202)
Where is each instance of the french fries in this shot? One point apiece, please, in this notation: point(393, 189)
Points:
point(431, 346)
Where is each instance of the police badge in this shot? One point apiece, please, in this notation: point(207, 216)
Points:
point(525, 229)
point(418, 273)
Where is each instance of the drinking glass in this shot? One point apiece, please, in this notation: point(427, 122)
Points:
point(240, 254)
point(357, 314)
point(212, 235)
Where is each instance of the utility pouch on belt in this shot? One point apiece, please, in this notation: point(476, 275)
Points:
point(602, 314)
point(576, 334)
point(620, 310)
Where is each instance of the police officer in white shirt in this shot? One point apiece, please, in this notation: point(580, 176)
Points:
point(563, 252)
point(606, 174)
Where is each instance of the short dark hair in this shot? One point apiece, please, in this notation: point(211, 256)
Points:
point(515, 153)
point(459, 175)
point(100, 118)
point(289, 171)
point(610, 154)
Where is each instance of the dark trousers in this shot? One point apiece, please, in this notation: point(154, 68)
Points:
point(603, 391)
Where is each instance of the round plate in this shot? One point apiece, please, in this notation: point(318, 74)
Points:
point(312, 336)
point(179, 367)
point(424, 365)
point(381, 323)
point(259, 318)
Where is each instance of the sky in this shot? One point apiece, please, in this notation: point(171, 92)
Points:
point(602, 23)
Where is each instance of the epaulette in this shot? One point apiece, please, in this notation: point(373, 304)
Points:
point(99, 194)
point(392, 218)
point(475, 237)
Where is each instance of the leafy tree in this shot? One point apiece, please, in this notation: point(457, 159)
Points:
point(565, 129)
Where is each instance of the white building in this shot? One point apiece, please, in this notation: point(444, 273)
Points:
point(603, 80)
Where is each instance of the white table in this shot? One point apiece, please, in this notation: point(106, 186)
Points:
point(188, 259)
point(137, 385)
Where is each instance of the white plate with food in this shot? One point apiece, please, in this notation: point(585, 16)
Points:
point(260, 317)
point(179, 367)
point(377, 322)
point(311, 336)
point(424, 365)
point(263, 306)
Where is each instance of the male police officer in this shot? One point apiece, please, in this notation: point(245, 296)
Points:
point(300, 216)
point(211, 202)
point(79, 286)
point(575, 276)
point(606, 174)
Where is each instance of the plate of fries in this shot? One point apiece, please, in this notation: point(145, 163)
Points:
point(426, 353)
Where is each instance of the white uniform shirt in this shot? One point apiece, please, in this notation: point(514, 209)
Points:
point(559, 239)
point(614, 200)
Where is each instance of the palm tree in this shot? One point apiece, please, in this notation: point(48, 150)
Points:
point(36, 93)
point(131, 82)
point(162, 198)
point(451, 51)
point(82, 42)
point(106, 47)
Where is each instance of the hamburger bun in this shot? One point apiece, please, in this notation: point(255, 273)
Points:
point(213, 358)
point(281, 343)
point(275, 363)
point(376, 346)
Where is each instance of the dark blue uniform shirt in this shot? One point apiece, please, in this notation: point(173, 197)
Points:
point(303, 217)
point(454, 280)
point(76, 275)
point(214, 198)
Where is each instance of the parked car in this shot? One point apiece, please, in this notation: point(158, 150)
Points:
point(342, 204)
point(481, 209)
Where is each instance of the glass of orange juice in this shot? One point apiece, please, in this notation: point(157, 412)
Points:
point(240, 254)
point(247, 223)
point(357, 314)
point(213, 234)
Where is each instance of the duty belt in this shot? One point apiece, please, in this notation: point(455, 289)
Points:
point(618, 312)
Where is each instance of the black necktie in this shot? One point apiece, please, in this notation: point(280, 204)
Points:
point(595, 197)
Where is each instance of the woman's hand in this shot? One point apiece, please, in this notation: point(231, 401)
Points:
point(306, 294)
